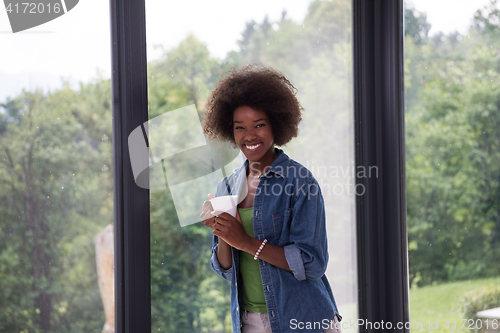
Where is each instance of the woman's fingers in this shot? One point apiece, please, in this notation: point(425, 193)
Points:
point(230, 230)
point(209, 222)
point(226, 216)
point(206, 210)
point(220, 227)
point(216, 221)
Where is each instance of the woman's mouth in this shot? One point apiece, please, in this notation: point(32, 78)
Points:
point(253, 147)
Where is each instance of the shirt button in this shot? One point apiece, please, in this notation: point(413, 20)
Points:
point(236, 283)
point(267, 287)
point(237, 308)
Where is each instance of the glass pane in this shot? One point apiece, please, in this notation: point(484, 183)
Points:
point(189, 46)
point(56, 188)
point(453, 154)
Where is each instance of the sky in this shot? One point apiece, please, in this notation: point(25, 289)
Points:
point(449, 15)
point(76, 46)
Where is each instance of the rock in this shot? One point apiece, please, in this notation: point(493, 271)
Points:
point(104, 251)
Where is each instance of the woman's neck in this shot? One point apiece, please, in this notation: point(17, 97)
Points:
point(258, 168)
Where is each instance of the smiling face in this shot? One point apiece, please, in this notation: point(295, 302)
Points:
point(254, 135)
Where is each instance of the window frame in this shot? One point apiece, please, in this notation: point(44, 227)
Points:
point(131, 203)
point(382, 240)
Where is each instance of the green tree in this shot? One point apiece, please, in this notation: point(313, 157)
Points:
point(180, 256)
point(185, 74)
point(53, 208)
point(486, 22)
point(453, 160)
point(416, 25)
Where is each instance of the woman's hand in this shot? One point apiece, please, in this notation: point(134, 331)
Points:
point(206, 213)
point(231, 230)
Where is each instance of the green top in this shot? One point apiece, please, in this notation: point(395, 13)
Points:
point(253, 292)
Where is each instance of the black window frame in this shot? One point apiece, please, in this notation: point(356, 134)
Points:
point(378, 69)
point(132, 266)
point(382, 239)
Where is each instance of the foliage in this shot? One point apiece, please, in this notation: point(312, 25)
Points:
point(186, 73)
point(442, 303)
point(453, 161)
point(180, 256)
point(416, 25)
point(53, 206)
point(483, 298)
point(486, 21)
point(56, 181)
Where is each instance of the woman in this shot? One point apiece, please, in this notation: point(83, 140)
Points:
point(274, 251)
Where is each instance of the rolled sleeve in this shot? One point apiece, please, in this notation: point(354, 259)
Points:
point(295, 262)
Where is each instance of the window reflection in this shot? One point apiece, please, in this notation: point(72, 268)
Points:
point(452, 145)
point(56, 189)
point(314, 51)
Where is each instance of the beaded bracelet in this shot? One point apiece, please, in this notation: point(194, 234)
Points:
point(260, 249)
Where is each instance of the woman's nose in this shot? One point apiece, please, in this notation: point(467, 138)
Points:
point(250, 134)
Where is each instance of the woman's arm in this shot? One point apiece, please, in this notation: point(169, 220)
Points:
point(275, 255)
point(224, 255)
point(307, 253)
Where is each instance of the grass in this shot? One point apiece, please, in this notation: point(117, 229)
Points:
point(439, 303)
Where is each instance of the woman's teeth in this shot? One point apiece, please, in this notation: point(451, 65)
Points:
point(253, 147)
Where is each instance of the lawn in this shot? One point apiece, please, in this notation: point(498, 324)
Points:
point(439, 303)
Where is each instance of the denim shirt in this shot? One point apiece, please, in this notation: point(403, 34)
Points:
point(289, 212)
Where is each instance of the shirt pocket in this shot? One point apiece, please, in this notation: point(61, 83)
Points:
point(281, 224)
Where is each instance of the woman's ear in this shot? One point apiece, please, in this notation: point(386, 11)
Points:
point(232, 145)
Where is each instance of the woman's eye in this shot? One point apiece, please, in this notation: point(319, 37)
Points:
point(238, 127)
point(260, 125)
